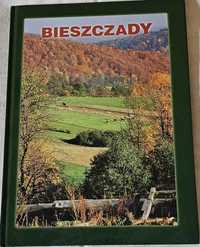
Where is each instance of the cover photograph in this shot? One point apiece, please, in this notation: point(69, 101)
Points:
point(99, 139)
point(95, 120)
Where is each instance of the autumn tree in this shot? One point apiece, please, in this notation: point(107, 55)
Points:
point(32, 120)
point(150, 127)
point(42, 182)
point(141, 130)
point(140, 125)
point(58, 84)
point(160, 90)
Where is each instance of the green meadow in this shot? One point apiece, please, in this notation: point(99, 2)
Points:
point(65, 121)
point(118, 102)
point(72, 173)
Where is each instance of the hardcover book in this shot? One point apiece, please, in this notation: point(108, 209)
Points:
point(98, 137)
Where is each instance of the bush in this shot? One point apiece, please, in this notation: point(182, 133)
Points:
point(94, 138)
point(120, 90)
point(58, 84)
point(79, 89)
point(117, 172)
point(162, 165)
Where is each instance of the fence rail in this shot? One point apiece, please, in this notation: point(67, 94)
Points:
point(147, 203)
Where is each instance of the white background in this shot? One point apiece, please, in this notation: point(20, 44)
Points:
point(193, 26)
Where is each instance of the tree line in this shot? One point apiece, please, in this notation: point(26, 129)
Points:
point(95, 85)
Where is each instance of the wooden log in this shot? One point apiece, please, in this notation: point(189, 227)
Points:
point(66, 204)
point(37, 207)
point(166, 192)
point(158, 200)
point(89, 203)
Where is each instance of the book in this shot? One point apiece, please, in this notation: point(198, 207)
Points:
point(98, 143)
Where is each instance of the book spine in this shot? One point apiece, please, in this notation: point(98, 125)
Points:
point(12, 40)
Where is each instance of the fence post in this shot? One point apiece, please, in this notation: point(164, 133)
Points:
point(147, 205)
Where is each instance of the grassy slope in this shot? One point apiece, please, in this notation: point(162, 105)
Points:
point(74, 122)
point(65, 124)
point(78, 155)
point(103, 102)
point(94, 101)
point(72, 173)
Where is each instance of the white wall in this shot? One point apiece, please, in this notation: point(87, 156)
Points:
point(193, 23)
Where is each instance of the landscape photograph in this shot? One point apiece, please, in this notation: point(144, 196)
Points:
point(96, 142)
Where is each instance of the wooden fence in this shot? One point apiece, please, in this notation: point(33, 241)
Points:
point(145, 203)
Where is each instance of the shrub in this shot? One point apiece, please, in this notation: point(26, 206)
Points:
point(120, 90)
point(58, 84)
point(79, 89)
point(162, 165)
point(117, 172)
point(95, 138)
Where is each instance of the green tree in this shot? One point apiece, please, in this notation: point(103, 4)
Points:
point(162, 165)
point(79, 89)
point(94, 138)
point(58, 84)
point(117, 172)
point(119, 90)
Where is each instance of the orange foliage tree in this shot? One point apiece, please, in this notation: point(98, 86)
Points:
point(151, 110)
point(159, 89)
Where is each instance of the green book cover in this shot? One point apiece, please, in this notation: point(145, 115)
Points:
point(98, 134)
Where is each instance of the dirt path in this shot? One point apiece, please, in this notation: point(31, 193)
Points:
point(111, 111)
point(94, 109)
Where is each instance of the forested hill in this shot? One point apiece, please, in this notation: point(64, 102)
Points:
point(153, 41)
point(78, 60)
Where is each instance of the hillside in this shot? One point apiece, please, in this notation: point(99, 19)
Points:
point(78, 60)
point(153, 41)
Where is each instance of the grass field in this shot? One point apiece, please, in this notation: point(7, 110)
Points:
point(65, 124)
point(76, 154)
point(94, 101)
point(73, 122)
point(72, 173)
point(68, 116)
point(104, 102)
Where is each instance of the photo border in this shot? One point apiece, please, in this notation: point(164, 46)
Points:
point(187, 229)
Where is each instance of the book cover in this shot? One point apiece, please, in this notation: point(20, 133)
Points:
point(96, 125)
